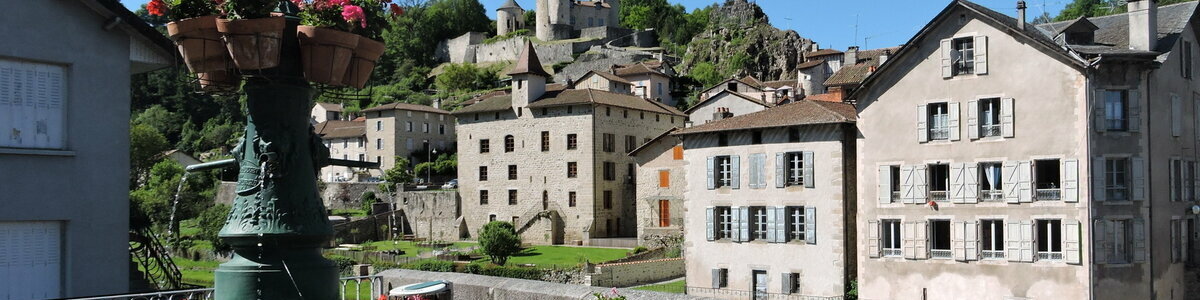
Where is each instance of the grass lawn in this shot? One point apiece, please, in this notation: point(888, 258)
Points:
point(562, 256)
point(678, 287)
point(189, 227)
point(196, 272)
point(411, 248)
point(350, 212)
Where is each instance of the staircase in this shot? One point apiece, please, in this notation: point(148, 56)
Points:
point(153, 261)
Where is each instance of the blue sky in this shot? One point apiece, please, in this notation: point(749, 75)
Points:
point(831, 23)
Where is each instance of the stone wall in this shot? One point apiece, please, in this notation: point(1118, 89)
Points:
point(508, 50)
point(347, 195)
point(226, 191)
point(372, 228)
point(597, 58)
point(457, 50)
point(604, 32)
point(637, 273)
point(431, 214)
point(480, 287)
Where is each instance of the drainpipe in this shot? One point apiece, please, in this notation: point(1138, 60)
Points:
point(1149, 192)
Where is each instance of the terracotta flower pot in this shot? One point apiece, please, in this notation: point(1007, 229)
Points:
point(253, 43)
point(199, 43)
point(325, 53)
point(365, 56)
point(218, 81)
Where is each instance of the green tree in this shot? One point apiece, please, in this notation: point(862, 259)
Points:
point(400, 173)
point(499, 241)
point(211, 220)
point(162, 120)
point(146, 147)
point(1097, 8)
point(368, 201)
point(465, 77)
point(155, 198)
point(706, 74)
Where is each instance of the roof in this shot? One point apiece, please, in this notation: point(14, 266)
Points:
point(336, 129)
point(750, 80)
point(739, 95)
point(406, 106)
point(855, 73)
point(593, 4)
point(509, 4)
point(137, 24)
point(1113, 30)
point(479, 97)
point(330, 106)
point(638, 69)
point(777, 84)
point(571, 97)
point(828, 97)
point(606, 75)
point(495, 103)
point(528, 62)
point(810, 64)
point(652, 141)
point(822, 52)
point(801, 112)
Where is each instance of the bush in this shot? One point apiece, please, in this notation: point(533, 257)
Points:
point(639, 249)
point(368, 199)
point(431, 265)
point(499, 241)
point(344, 264)
point(513, 272)
point(473, 268)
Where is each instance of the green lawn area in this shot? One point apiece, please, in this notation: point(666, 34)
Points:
point(350, 212)
point(189, 227)
point(411, 248)
point(678, 287)
point(562, 256)
point(196, 272)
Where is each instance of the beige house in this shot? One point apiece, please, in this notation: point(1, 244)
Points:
point(650, 80)
point(346, 140)
point(1048, 162)
point(661, 181)
point(770, 208)
point(322, 112)
point(725, 104)
point(408, 130)
point(554, 162)
point(597, 80)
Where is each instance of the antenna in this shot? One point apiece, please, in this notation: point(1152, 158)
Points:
point(855, 29)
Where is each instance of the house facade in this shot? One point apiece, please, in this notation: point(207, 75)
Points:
point(1048, 162)
point(661, 181)
point(770, 209)
point(322, 112)
point(408, 130)
point(650, 80)
point(346, 140)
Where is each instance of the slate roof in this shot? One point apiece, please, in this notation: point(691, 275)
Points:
point(801, 112)
point(779, 84)
point(406, 106)
point(509, 4)
point(1113, 30)
point(810, 64)
point(739, 95)
point(571, 97)
point(330, 106)
point(855, 73)
point(337, 129)
point(528, 62)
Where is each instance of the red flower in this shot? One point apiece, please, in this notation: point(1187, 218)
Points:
point(396, 10)
point(339, 2)
point(157, 7)
point(354, 13)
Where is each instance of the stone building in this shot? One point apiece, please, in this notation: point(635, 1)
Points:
point(322, 112)
point(1048, 162)
point(408, 130)
point(509, 17)
point(769, 207)
point(650, 79)
point(552, 161)
point(833, 77)
point(345, 140)
point(562, 19)
point(661, 181)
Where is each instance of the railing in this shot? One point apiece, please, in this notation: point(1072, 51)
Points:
point(374, 284)
point(893, 252)
point(939, 133)
point(937, 195)
point(941, 253)
point(989, 130)
point(992, 254)
point(1050, 255)
point(991, 195)
point(895, 195)
point(744, 294)
point(1049, 194)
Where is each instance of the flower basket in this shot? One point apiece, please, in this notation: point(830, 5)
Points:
point(253, 44)
point(218, 81)
point(325, 53)
point(199, 43)
point(366, 55)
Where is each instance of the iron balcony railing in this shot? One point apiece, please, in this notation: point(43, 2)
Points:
point(1050, 255)
point(937, 195)
point(896, 252)
point(991, 195)
point(1049, 194)
point(355, 285)
point(992, 254)
point(939, 133)
point(941, 253)
point(989, 130)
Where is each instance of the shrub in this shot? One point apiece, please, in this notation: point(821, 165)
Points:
point(431, 265)
point(513, 272)
point(368, 200)
point(499, 241)
point(343, 263)
point(639, 249)
point(473, 268)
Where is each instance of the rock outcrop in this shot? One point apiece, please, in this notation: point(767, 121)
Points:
point(740, 41)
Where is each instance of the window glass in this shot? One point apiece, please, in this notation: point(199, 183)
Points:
point(939, 121)
point(964, 56)
point(1116, 105)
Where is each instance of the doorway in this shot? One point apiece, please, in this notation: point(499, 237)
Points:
point(760, 284)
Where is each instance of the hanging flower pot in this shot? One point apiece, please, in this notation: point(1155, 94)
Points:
point(325, 53)
point(199, 43)
point(253, 44)
point(366, 55)
point(218, 81)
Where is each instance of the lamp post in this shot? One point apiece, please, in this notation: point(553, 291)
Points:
point(429, 170)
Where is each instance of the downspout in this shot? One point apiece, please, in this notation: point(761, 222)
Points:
point(1149, 192)
point(1091, 101)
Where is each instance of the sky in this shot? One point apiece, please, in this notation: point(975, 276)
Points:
point(837, 24)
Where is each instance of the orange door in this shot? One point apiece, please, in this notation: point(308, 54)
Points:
point(664, 213)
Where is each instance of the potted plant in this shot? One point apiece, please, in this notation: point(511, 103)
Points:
point(252, 34)
point(193, 28)
point(326, 44)
point(218, 81)
point(369, 47)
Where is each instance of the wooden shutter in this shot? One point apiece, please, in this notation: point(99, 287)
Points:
point(1098, 186)
point(922, 123)
point(920, 177)
point(1135, 110)
point(973, 119)
point(664, 178)
point(957, 183)
point(735, 223)
point(910, 240)
point(32, 105)
point(1100, 244)
point(744, 224)
point(1139, 240)
point(1011, 179)
point(971, 183)
point(712, 180)
point(677, 151)
point(736, 162)
point(1070, 180)
point(907, 180)
point(883, 190)
point(1195, 179)
point(809, 180)
point(873, 238)
point(1176, 116)
point(921, 239)
point(981, 50)
point(1012, 239)
point(771, 224)
point(786, 288)
point(1098, 117)
point(947, 59)
point(781, 224)
point(716, 278)
point(1173, 167)
point(1071, 241)
point(953, 115)
point(1139, 178)
point(1006, 117)
point(780, 174)
point(1026, 234)
point(971, 232)
point(754, 171)
point(958, 241)
point(1025, 186)
point(710, 231)
point(810, 225)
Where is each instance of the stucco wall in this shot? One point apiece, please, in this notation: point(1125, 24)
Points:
point(391, 128)
point(637, 273)
point(345, 148)
point(703, 113)
point(651, 160)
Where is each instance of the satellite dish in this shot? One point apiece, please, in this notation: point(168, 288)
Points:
point(1196, 209)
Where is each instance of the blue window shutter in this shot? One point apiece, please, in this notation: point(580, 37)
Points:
point(771, 237)
point(781, 224)
point(780, 177)
point(712, 183)
point(745, 220)
point(808, 169)
point(709, 223)
point(736, 165)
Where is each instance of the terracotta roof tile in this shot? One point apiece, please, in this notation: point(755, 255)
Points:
point(406, 106)
point(809, 64)
point(528, 62)
point(802, 112)
point(853, 74)
point(608, 76)
point(592, 96)
point(336, 129)
point(652, 141)
point(822, 52)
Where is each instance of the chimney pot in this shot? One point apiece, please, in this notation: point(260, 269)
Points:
point(1143, 24)
point(1021, 14)
point(851, 56)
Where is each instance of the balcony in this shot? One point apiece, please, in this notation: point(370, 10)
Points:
point(893, 252)
point(989, 130)
point(992, 254)
point(1049, 194)
point(937, 195)
point(939, 133)
point(991, 195)
point(941, 253)
point(1050, 255)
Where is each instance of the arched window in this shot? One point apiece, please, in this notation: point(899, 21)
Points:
point(509, 143)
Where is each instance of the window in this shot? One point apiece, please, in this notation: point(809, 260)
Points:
point(512, 197)
point(630, 143)
point(939, 181)
point(1116, 179)
point(378, 125)
point(677, 152)
point(510, 143)
point(483, 197)
point(1049, 239)
point(482, 173)
point(964, 56)
point(607, 111)
point(570, 109)
point(642, 115)
point(492, 218)
point(608, 199)
point(758, 223)
point(1046, 180)
point(895, 170)
point(572, 141)
point(1116, 110)
point(631, 173)
point(732, 87)
point(664, 178)
point(791, 283)
point(659, 89)
point(485, 146)
point(610, 142)
point(793, 135)
point(721, 278)
point(425, 127)
point(756, 137)
point(601, 21)
point(545, 141)
point(890, 237)
point(664, 213)
point(515, 220)
point(362, 142)
point(724, 167)
point(991, 182)
point(345, 144)
point(610, 171)
point(362, 157)
point(408, 144)
point(992, 238)
point(1190, 181)
point(512, 172)
point(571, 199)
point(939, 121)
point(1186, 59)
point(722, 140)
point(724, 220)
point(35, 95)
point(794, 168)
point(408, 127)
point(794, 230)
point(572, 169)
point(442, 129)
point(378, 159)
point(379, 144)
point(939, 239)
point(1120, 242)
point(989, 117)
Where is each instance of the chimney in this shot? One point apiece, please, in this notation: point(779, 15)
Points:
point(883, 58)
point(437, 103)
point(1143, 24)
point(851, 56)
point(1021, 14)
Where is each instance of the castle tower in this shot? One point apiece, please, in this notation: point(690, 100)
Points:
point(551, 13)
point(528, 78)
point(509, 17)
point(614, 13)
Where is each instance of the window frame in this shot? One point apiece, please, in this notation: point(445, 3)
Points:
point(510, 143)
point(1054, 229)
point(572, 141)
point(793, 169)
point(938, 126)
point(932, 236)
point(512, 172)
point(572, 169)
point(485, 146)
point(1116, 112)
point(891, 238)
point(1117, 181)
point(512, 197)
point(723, 166)
point(991, 230)
point(483, 197)
point(964, 63)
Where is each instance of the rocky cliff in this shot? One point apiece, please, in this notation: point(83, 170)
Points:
point(740, 41)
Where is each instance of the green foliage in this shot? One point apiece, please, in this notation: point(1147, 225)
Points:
point(368, 199)
point(677, 287)
point(515, 33)
point(398, 174)
point(154, 199)
point(432, 265)
point(706, 74)
point(1097, 8)
point(465, 77)
point(499, 241)
point(530, 18)
point(513, 272)
point(414, 36)
point(146, 147)
point(162, 120)
point(446, 164)
point(675, 26)
point(249, 9)
point(328, 16)
point(184, 9)
point(473, 268)
point(852, 291)
point(639, 249)
point(211, 220)
point(344, 264)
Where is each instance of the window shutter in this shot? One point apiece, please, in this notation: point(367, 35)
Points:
point(953, 114)
point(1135, 111)
point(1025, 187)
point(1139, 178)
point(809, 181)
point(779, 170)
point(973, 119)
point(710, 232)
point(36, 95)
point(1176, 116)
point(771, 219)
point(907, 179)
point(735, 226)
point(1070, 180)
point(1196, 108)
point(745, 224)
point(1026, 234)
point(910, 240)
point(883, 188)
point(972, 239)
point(922, 121)
point(781, 223)
point(958, 183)
point(959, 241)
point(1098, 187)
point(736, 162)
point(873, 238)
point(971, 189)
point(1098, 116)
point(1011, 179)
point(1013, 240)
point(1071, 241)
point(1195, 179)
point(1099, 244)
point(810, 225)
point(947, 59)
point(1184, 240)
point(1006, 117)
point(786, 288)
point(920, 191)
point(716, 278)
point(712, 182)
point(1173, 167)
point(1139, 240)
point(922, 239)
point(754, 171)
point(981, 47)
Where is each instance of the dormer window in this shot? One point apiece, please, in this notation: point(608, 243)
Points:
point(1080, 38)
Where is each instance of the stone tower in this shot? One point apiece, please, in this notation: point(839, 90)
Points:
point(550, 15)
point(614, 13)
point(509, 17)
point(528, 78)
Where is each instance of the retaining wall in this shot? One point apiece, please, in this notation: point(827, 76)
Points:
point(637, 273)
point(480, 287)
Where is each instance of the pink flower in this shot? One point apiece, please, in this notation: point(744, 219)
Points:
point(339, 2)
point(353, 13)
point(396, 10)
point(156, 7)
point(299, 3)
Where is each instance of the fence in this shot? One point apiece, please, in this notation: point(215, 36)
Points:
point(373, 257)
point(374, 284)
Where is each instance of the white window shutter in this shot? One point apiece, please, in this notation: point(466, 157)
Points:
point(1135, 110)
point(1184, 240)
point(1139, 240)
point(922, 239)
point(1098, 186)
point(910, 240)
point(971, 230)
point(953, 114)
point(884, 186)
point(1007, 105)
point(971, 189)
point(957, 183)
point(907, 180)
point(947, 59)
point(712, 182)
point(1070, 180)
point(809, 181)
point(35, 94)
point(1071, 241)
point(781, 223)
point(1012, 237)
point(716, 278)
point(735, 223)
point(973, 119)
point(1011, 178)
point(786, 287)
point(873, 238)
point(1025, 168)
point(1026, 233)
point(981, 55)
point(780, 176)
point(1100, 245)
point(1099, 118)
point(1139, 178)
point(1176, 116)
point(958, 241)
point(709, 230)
point(736, 164)
point(920, 189)
point(922, 123)
point(771, 224)
point(810, 225)
point(754, 171)
point(745, 224)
